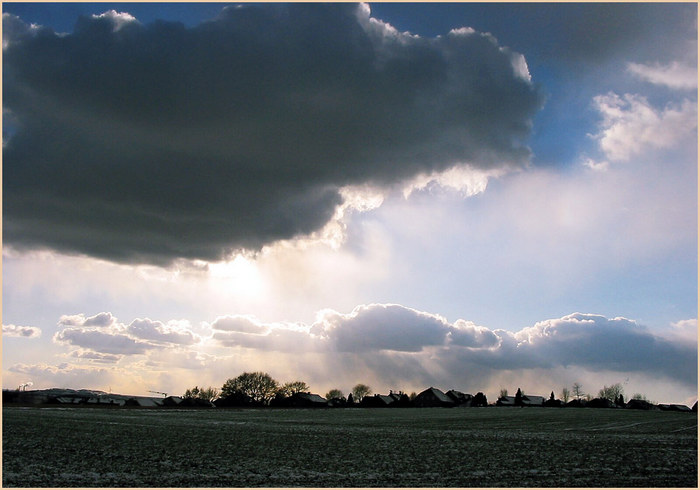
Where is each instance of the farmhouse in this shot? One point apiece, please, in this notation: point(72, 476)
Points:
point(144, 401)
point(600, 403)
point(432, 397)
point(640, 405)
point(377, 401)
point(301, 400)
point(460, 399)
point(527, 401)
point(674, 407)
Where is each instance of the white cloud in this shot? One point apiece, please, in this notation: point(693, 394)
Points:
point(387, 345)
point(240, 323)
point(102, 342)
point(102, 334)
point(174, 332)
point(100, 320)
point(381, 327)
point(21, 331)
point(389, 335)
point(632, 126)
point(675, 75)
point(683, 330)
point(64, 370)
point(117, 19)
point(595, 165)
point(96, 356)
point(462, 178)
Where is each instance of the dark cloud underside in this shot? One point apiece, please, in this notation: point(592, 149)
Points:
point(150, 143)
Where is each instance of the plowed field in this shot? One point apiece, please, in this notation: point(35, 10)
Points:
point(494, 447)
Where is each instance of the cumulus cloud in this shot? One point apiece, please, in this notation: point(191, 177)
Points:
point(388, 327)
point(49, 370)
point(20, 331)
point(148, 143)
point(172, 333)
point(389, 335)
point(95, 356)
point(103, 334)
point(394, 346)
point(105, 342)
point(104, 319)
point(239, 323)
point(631, 125)
point(674, 75)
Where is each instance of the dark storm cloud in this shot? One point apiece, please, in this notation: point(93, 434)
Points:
point(594, 32)
point(147, 143)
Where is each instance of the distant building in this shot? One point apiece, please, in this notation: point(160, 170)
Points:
point(460, 399)
point(236, 399)
point(301, 400)
point(675, 407)
point(144, 402)
point(526, 400)
point(378, 401)
point(432, 397)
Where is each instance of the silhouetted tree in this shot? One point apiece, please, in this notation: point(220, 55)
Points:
point(551, 396)
point(519, 398)
point(642, 397)
point(334, 393)
point(351, 401)
point(479, 400)
point(208, 394)
point(261, 387)
point(360, 391)
point(291, 388)
point(578, 390)
point(565, 394)
point(612, 392)
point(503, 393)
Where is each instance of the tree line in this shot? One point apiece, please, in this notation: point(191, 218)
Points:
point(613, 393)
point(262, 388)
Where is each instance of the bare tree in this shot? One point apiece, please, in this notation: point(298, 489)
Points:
point(360, 391)
point(640, 396)
point(261, 387)
point(503, 393)
point(578, 390)
point(612, 393)
point(565, 394)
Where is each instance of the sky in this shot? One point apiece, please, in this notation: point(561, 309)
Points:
point(466, 196)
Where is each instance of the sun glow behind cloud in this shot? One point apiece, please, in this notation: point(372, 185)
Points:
point(239, 277)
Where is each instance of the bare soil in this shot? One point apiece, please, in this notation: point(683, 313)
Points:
point(472, 447)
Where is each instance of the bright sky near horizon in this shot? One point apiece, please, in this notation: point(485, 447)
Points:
point(468, 196)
